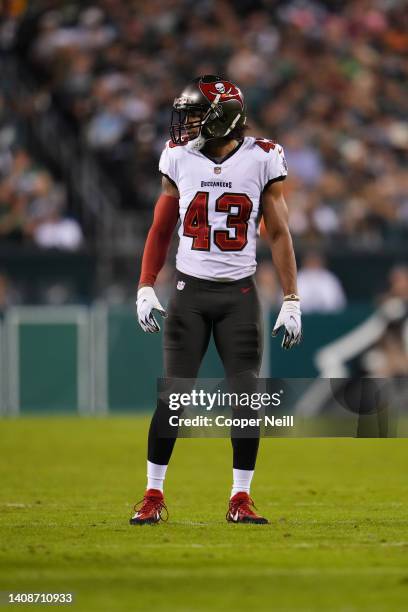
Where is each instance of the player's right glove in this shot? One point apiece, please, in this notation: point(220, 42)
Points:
point(290, 319)
point(147, 302)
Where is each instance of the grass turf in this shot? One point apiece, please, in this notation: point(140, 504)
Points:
point(338, 538)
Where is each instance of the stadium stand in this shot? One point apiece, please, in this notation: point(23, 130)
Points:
point(325, 78)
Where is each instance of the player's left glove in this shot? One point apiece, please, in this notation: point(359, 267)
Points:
point(290, 319)
point(147, 302)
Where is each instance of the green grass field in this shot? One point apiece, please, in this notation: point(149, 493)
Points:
point(338, 538)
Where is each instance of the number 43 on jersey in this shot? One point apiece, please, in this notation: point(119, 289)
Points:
point(196, 224)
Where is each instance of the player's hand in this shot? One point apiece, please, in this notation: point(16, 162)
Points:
point(290, 319)
point(147, 302)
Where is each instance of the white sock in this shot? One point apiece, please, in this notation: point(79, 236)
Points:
point(241, 481)
point(155, 475)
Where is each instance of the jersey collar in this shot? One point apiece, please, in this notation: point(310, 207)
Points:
point(224, 159)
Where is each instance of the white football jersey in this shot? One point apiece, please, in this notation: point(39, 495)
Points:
point(220, 205)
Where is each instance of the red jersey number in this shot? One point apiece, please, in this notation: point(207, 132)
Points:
point(196, 224)
point(235, 220)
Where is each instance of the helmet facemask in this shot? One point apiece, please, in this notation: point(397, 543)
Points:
point(189, 124)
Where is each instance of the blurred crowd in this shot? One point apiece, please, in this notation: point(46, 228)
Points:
point(32, 203)
point(324, 78)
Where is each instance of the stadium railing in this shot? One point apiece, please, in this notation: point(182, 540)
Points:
point(88, 361)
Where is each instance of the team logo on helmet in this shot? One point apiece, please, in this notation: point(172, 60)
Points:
point(220, 87)
point(224, 89)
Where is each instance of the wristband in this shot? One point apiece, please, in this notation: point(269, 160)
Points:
point(291, 297)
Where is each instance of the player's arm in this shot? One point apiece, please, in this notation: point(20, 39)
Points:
point(165, 218)
point(276, 228)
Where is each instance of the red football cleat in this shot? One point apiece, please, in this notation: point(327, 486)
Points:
point(150, 510)
point(240, 510)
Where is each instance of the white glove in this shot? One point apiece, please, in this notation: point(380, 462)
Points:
point(147, 302)
point(289, 318)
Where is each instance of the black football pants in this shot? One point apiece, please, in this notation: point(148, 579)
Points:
point(231, 312)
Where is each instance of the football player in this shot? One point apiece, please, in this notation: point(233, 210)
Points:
point(218, 183)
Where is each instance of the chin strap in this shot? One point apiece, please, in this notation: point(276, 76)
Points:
point(233, 124)
point(197, 143)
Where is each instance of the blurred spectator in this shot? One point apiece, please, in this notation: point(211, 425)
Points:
point(398, 283)
point(319, 289)
point(389, 356)
point(54, 231)
point(32, 204)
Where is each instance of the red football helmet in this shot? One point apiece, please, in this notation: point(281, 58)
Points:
point(209, 107)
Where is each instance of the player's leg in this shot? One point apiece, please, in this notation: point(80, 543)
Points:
point(186, 335)
point(238, 335)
